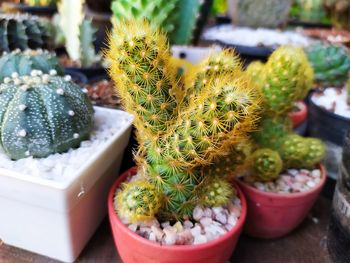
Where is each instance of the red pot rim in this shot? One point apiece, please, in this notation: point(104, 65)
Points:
point(114, 219)
point(288, 195)
point(302, 109)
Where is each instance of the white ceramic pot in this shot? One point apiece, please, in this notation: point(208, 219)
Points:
point(57, 219)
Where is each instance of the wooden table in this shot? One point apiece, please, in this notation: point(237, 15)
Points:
point(306, 244)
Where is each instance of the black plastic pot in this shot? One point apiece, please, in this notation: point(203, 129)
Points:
point(90, 73)
point(338, 241)
point(77, 77)
point(99, 5)
point(202, 21)
point(47, 11)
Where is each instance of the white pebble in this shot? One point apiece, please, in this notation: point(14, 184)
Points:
point(206, 221)
point(198, 213)
point(311, 184)
point(316, 173)
point(200, 239)
point(221, 217)
point(196, 230)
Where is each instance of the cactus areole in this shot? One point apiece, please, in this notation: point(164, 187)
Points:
point(42, 114)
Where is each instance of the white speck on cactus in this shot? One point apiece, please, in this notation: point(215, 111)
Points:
point(22, 107)
point(67, 78)
point(53, 72)
point(76, 135)
point(34, 73)
point(71, 113)
point(85, 90)
point(22, 133)
point(7, 80)
point(17, 81)
point(60, 91)
point(14, 75)
point(27, 153)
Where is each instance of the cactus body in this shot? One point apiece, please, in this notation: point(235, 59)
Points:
point(339, 12)
point(309, 11)
point(40, 2)
point(257, 13)
point(178, 136)
point(24, 62)
point(331, 64)
point(265, 164)
point(42, 114)
point(22, 31)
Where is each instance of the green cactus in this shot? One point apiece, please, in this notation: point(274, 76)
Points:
point(257, 13)
point(286, 78)
point(24, 62)
point(254, 70)
point(41, 2)
point(42, 114)
point(339, 12)
point(315, 153)
point(182, 20)
point(177, 139)
point(272, 131)
point(215, 191)
point(310, 11)
point(79, 34)
point(22, 31)
point(331, 64)
point(265, 164)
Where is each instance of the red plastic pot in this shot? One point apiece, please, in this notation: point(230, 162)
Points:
point(272, 215)
point(135, 249)
point(298, 117)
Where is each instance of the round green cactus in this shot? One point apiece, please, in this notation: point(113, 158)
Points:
point(24, 62)
point(22, 31)
point(331, 64)
point(42, 114)
point(265, 164)
point(315, 153)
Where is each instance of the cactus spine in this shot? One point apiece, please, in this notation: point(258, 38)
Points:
point(178, 137)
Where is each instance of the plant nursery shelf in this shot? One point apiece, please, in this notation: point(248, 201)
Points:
point(306, 244)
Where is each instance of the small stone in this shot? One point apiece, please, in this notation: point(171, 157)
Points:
point(133, 227)
point(232, 220)
point(293, 172)
point(217, 210)
point(316, 173)
point(197, 230)
point(234, 210)
point(22, 107)
point(311, 184)
point(60, 91)
point(221, 217)
point(178, 226)
point(188, 224)
point(165, 224)
point(149, 223)
point(200, 239)
point(206, 221)
point(300, 178)
point(158, 232)
point(22, 133)
point(76, 135)
point(184, 237)
point(170, 236)
point(152, 237)
point(198, 213)
point(207, 212)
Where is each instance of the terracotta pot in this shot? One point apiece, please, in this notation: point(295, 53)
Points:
point(272, 215)
point(133, 248)
point(298, 117)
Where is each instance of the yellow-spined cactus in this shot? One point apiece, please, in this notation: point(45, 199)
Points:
point(179, 135)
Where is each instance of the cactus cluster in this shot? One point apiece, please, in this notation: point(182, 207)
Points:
point(339, 12)
point(22, 31)
point(178, 137)
point(42, 114)
point(41, 2)
point(331, 64)
point(182, 20)
point(78, 32)
point(310, 11)
point(284, 79)
point(24, 62)
point(257, 13)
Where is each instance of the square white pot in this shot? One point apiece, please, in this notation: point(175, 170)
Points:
point(57, 219)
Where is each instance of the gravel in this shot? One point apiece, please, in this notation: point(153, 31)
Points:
point(333, 100)
point(63, 167)
point(245, 36)
point(291, 181)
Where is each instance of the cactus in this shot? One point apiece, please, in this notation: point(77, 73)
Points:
point(22, 31)
point(309, 11)
point(265, 164)
point(257, 13)
point(24, 62)
point(41, 2)
point(331, 64)
point(182, 20)
point(42, 114)
point(79, 34)
point(339, 12)
point(178, 137)
point(283, 80)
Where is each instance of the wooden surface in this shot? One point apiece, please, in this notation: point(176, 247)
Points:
point(306, 244)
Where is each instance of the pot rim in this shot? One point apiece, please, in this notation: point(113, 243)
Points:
point(287, 195)
point(114, 219)
point(302, 109)
point(329, 113)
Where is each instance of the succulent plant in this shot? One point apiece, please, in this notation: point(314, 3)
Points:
point(331, 64)
point(178, 137)
point(42, 114)
point(257, 13)
point(310, 11)
point(265, 164)
point(22, 31)
point(283, 80)
point(40, 2)
point(182, 20)
point(339, 12)
point(79, 34)
point(22, 63)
